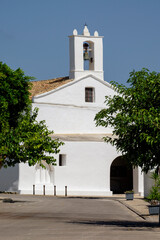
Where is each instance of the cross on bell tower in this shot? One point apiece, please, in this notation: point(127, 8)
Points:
point(86, 54)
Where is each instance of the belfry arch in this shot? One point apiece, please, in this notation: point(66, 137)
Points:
point(88, 55)
point(85, 49)
point(121, 176)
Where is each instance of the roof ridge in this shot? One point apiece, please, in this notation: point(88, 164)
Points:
point(65, 78)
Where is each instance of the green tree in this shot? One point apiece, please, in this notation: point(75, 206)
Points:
point(14, 95)
point(134, 114)
point(22, 137)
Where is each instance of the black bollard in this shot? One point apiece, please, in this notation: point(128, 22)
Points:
point(65, 191)
point(159, 215)
point(33, 189)
point(44, 189)
point(54, 190)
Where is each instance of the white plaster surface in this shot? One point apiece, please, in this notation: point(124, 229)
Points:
point(76, 55)
point(73, 93)
point(138, 181)
point(86, 172)
point(86, 31)
point(148, 183)
point(66, 111)
point(9, 179)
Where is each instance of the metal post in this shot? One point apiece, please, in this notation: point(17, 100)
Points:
point(54, 190)
point(65, 191)
point(159, 215)
point(33, 189)
point(44, 190)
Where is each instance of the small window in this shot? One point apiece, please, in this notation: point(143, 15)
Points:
point(62, 160)
point(89, 94)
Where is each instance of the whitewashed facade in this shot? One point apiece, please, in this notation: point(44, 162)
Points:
point(85, 161)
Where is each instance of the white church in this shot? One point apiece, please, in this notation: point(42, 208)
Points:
point(86, 165)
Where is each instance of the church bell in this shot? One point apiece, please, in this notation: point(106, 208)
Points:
point(86, 56)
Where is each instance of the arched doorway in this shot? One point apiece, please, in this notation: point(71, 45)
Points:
point(121, 176)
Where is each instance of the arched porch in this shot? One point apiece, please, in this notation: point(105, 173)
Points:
point(121, 176)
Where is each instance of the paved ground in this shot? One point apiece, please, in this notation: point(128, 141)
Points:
point(140, 207)
point(59, 218)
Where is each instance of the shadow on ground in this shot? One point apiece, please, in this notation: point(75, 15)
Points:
point(65, 218)
point(124, 224)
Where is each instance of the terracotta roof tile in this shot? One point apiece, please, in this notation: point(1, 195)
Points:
point(39, 87)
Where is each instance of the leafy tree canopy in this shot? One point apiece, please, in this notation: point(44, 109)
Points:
point(22, 138)
point(134, 114)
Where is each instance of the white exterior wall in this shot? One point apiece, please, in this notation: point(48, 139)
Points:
point(35, 175)
point(148, 183)
point(138, 181)
point(66, 111)
point(73, 93)
point(76, 56)
point(68, 119)
point(9, 179)
point(87, 171)
point(26, 178)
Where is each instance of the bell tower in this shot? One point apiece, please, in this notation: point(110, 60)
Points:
point(86, 54)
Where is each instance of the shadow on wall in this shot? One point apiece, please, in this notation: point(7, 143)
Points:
point(148, 183)
point(9, 178)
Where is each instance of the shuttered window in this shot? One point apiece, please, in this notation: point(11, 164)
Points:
point(89, 94)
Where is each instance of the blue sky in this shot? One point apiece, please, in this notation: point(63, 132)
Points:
point(34, 35)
